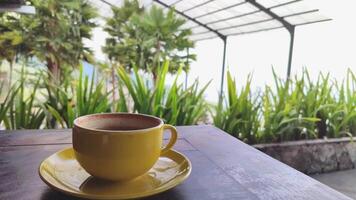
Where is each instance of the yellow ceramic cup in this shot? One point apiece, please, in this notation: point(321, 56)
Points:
point(119, 146)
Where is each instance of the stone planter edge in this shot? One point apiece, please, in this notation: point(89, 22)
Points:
point(314, 156)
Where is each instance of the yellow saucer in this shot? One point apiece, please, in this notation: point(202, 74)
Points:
point(62, 172)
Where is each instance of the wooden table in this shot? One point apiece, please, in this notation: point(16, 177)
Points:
point(223, 168)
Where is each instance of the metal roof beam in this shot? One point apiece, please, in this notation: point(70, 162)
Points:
point(247, 24)
point(207, 38)
point(301, 13)
point(241, 3)
point(170, 5)
point(284, 4)
point(200, 33)
point(197, 6)
point(221, 9)
point(174, 3)
point(245, 14)
point(260, 21)
point(192, 19)
point(239, 25)
point(268, 11)
point(234, 17)
point(107, 3)
point(312, 22)
point(256, 31)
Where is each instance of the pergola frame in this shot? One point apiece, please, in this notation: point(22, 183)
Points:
point(288, 26)
point(217, 31)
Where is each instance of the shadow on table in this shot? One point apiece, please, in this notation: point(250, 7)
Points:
point(50, 194)
point(54, 195)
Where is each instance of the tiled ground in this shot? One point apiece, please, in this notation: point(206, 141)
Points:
point(343, 181)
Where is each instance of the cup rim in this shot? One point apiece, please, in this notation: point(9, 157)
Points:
point(75, 123)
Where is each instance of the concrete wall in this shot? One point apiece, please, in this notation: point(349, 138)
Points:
point(314, 156)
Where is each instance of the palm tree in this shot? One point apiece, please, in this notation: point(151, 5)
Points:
point(146, 37)
point(55, 34)
point(11, 40)
point(163, 33)
point(120, 47)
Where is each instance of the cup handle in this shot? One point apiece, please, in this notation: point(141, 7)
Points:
point(172, 141)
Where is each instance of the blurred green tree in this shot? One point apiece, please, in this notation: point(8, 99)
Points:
point(146, 38)
point(54, 35)
point(11, 41)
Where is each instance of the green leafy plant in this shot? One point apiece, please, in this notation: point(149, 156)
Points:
point(23, 111)
point(90, 97)
point(192, 106)
point(87, 97)
point(240, 113)
point(342, 114)
point(282, 116)
point(174, 104)
point(7, 102)
point(295, 109)
point(59, 105)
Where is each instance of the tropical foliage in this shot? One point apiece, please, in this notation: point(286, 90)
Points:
point(35, 101)
point(54, 35)
point(69, 101)
point(144, 38)
point(299, 108)
point(240, 113)
point(295, 109)
point(178, 106)
point(22, 111)
point(139, 42)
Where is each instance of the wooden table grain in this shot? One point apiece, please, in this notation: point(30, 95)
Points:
point(223, 168)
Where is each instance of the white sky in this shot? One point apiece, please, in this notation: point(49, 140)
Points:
point(327, 47)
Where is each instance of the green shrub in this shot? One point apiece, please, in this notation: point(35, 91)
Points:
point(67, 102)
point(7, 102)
point(238, 115)
point(293, 109)
point(341, 119)
point(298, 108)
point(23, 111)
point(174, 104)
point(283, 117)
point(59, 102)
